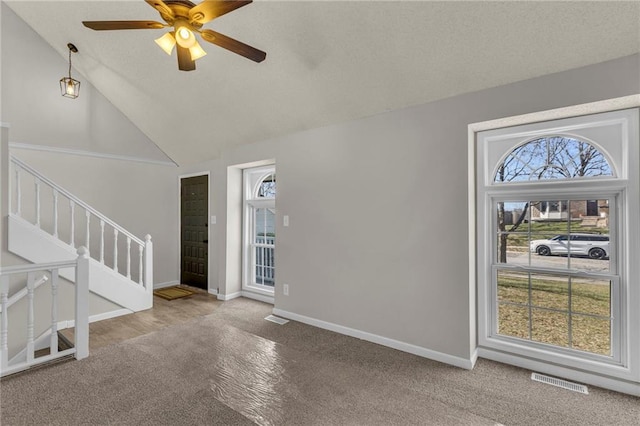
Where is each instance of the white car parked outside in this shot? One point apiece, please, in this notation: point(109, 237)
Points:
point(593, 245)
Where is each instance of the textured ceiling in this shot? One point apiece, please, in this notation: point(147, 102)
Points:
point(327, 61)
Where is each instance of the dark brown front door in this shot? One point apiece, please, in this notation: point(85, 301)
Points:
point(194, 239)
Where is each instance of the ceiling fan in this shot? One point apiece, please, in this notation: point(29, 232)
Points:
point(187, 18)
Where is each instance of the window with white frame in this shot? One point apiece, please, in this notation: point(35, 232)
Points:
point(555, 207)
point(259, 229)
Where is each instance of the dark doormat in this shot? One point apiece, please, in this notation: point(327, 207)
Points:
point(170, 293)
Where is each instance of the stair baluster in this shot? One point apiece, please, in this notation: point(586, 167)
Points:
point(72, 207)
point(102, 241)
point(54, 313)
point(37, 202)
point(18, 193)
point(115, 250)
point(88, 240)
point(140, 276)
point(128, 257)
point(31, 279)
point(55, 213)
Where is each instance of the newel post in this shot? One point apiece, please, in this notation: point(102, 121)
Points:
point(82, 304)
point(148, 263)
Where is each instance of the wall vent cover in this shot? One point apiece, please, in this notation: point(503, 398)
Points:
point(277, 320)
point(564, 384)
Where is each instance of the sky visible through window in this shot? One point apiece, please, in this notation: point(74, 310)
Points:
point(555, 157)
point(267, 188)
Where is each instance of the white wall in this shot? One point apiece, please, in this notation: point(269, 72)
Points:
point(38, 114)
point(378, 233)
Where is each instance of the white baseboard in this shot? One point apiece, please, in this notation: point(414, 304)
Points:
point(95, 318)
point(474, 358)
point(247, 294)
point(257, 296)
point(108, 315)
point(166, 284)
point(212, 291)
point(230, 296)
point(618, 385)
point(467, 364)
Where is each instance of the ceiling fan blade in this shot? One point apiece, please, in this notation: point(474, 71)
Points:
point(123, 25)
point(161, 7)
point(234, 46)
point(211, 9)
point(185, 63)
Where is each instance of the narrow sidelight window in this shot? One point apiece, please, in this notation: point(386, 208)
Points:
point(259, 269)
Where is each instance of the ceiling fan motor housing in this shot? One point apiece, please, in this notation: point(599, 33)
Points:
point(179, 11)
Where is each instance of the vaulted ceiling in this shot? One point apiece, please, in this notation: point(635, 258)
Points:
point(327, 61)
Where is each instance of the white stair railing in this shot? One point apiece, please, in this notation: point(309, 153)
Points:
point(30, 184)
point(81, 333)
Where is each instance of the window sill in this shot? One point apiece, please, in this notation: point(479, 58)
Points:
point(531, 353)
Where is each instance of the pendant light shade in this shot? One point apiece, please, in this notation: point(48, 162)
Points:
point(167, 42)
point(196, 51)
point(70, 87)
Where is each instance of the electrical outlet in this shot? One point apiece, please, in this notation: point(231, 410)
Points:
point(285, 220)
point(285, 289)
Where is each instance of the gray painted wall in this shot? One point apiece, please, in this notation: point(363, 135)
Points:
point(378, 239)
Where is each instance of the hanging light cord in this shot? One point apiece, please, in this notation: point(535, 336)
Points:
point(69, 63)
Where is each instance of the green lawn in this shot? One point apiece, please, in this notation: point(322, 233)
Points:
point(587, 333)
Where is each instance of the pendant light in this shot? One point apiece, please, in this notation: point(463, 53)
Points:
point(70, 87)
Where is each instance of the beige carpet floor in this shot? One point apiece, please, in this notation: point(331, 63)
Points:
point(233, 367)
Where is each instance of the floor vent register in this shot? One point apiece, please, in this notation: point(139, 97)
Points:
point(564, 384)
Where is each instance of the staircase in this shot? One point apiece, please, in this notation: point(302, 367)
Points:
point(47, 223)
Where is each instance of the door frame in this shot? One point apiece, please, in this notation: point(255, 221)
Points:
point(179, 222)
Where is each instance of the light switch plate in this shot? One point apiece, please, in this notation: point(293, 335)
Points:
point(213, 220)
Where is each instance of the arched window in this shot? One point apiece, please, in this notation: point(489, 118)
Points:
point(259, 230)
point(556, 207)
point(266, 188)
point(553, 157)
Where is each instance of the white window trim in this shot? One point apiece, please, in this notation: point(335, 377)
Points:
point(251, 177)
point(623, 379)
point(490, 339)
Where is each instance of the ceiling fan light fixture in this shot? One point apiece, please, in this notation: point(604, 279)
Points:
point(186, 18)
point(196, 51)
point(167, 42)
point(70, 87)
point(184, 36)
